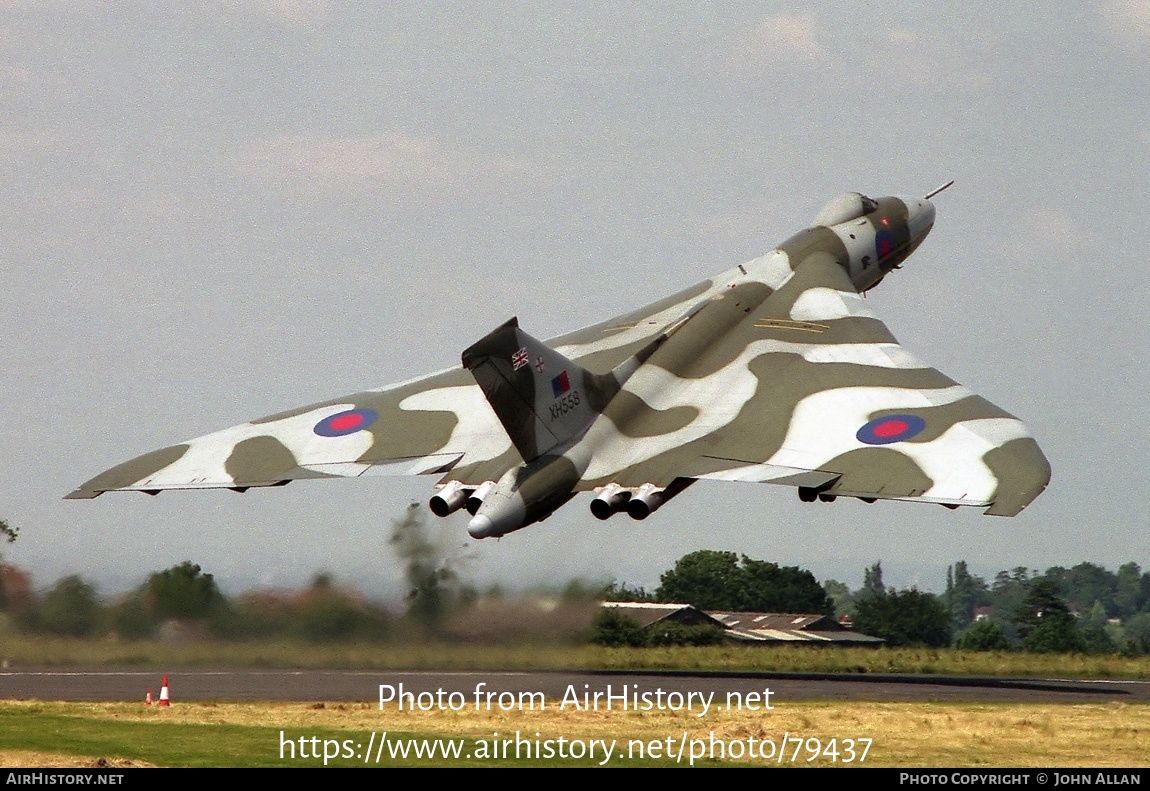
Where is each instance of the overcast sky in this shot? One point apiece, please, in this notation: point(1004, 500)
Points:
point(213, 211)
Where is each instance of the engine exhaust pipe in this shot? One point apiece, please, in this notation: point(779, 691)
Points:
point(649, 498)
point(449, 499)
point(611, 499)
point(476, 498)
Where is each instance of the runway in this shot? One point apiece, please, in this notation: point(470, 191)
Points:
point(364, 686)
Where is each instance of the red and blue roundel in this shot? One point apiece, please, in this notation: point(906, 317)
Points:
point(343, 423)
point(884, 244)
point(889, 429)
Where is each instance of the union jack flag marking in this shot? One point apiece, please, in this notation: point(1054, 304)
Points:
point(520, 359)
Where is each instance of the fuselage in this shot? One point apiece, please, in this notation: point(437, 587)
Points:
point(870, 237)
point(866, 237)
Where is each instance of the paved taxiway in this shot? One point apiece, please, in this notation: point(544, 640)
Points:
point(363, 685)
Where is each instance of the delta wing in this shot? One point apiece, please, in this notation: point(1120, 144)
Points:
point(774, 371)
point(802, 385)
point(428, 425)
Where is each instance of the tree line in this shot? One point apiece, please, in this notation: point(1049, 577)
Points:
point(1083, 609)
point(184, 602)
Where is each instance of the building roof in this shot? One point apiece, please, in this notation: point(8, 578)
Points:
point(647, 613)
point(789, 628)
point(754, 627)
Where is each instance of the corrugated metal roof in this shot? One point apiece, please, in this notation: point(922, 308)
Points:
point(755, 627)
point(789, 628)
point(778, 620)
point(647, 613)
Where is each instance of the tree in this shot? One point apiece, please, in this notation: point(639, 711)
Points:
point(1007, 593)
point(1055, 635)
point(1086, 584)
point(8, 534)
point(983, 636)
point(1132, 590)
point(1044, 620)
point(666, 632)
point(714, 580)
point(964, 592)
point(1136, 635)
point(325, 614)
point(1042, 603)
point(132, 618)
point(707, 579)
point(621, 591)
point(772, 588)
point(183, 591)
point(70, 608)
point(904, 618)
point(872, 583)
point(15, 588)
point(1095, 639)
point(841, 595)
point(615, 630)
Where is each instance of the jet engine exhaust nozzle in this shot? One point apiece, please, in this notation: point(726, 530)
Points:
point(449, 499)
point(611, 499)
point(476, 498)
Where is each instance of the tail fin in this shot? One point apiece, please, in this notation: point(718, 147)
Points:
point(543, 399)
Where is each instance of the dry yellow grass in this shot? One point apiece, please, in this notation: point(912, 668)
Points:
point(26, 759)
point(904, 734)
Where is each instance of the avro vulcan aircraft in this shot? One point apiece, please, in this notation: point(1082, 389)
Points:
point(774, 371)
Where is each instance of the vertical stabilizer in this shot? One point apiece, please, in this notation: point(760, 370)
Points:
point(543, 399)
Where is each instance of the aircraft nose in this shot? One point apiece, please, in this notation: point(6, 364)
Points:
point(920, 218)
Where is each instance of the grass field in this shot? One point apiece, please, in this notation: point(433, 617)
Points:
point(815, 734)
point(26, 651)
point(249, 735)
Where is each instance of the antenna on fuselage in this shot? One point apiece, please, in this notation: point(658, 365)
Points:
point(930, 195)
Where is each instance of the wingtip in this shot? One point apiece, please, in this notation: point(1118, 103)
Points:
point(1024, 473)
point(82, 494)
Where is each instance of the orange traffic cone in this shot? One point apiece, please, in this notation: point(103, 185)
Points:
point(148, 698)
point(165, 697)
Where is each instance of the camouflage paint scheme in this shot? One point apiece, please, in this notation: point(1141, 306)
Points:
point(774, 371)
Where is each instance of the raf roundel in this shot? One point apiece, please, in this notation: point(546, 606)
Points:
point(889, 429)
point(343, 423)
point(884, 244)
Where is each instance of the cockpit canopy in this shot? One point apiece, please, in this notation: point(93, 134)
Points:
point(846, 207)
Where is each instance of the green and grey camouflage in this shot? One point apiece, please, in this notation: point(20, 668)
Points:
point(774, 371)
